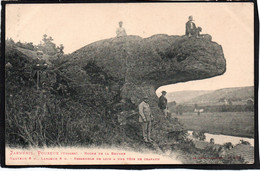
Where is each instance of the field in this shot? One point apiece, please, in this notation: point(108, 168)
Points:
point(227, 123)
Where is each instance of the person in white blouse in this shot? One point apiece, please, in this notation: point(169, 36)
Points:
point(120, 32)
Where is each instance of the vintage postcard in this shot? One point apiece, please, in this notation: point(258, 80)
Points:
point(129, 83)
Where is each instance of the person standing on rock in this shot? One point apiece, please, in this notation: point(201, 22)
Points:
point(145, 117)
point(191, 29)
point(163, 103)
point(120, 32)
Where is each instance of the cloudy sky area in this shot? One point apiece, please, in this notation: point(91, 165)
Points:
point(76, 25)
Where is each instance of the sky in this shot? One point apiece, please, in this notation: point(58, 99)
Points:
point(75, 25)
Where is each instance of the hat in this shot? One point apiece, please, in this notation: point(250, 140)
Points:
point(164, 92)
point(191, 18)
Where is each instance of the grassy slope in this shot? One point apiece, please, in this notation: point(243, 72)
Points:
point(227, 123)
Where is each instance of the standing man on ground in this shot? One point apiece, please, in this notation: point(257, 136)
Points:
point(145, 117)
point(120, 32)
point(163, 103)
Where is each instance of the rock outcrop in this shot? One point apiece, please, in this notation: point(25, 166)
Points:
point(139, 66)
point(84, 93)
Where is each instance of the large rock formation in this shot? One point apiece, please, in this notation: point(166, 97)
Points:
point(140, 66)
point(89, 94)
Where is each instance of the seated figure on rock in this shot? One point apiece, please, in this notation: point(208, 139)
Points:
point(191, 29)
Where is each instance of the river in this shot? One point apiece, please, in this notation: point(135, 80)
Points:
point(222, 139)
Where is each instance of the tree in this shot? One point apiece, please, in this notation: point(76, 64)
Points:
point(25, 45)
point(19, 44)
point(48, 47)
point(9, 42)
point(60, 49)
point(28, 46)
point(44, 38)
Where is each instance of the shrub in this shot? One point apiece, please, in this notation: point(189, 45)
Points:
point(244, 142)
point(228, 145)
point(200, 135)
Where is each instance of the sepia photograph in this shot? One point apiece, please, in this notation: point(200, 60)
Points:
point(129, 83)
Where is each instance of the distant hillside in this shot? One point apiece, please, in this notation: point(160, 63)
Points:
point(235, 94)
point(184, 96)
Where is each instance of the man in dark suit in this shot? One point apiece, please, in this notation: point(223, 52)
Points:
point(163, 103)
point(191, 29)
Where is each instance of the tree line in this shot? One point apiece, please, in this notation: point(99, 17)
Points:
point(47, 46)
